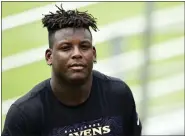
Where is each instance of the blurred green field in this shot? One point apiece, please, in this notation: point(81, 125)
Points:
point(8, 8)
point(28, 72)
point(35, 35)
point(18, 81)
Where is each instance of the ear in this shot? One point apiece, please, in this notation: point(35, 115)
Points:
point(48, 56)
point(94, 55)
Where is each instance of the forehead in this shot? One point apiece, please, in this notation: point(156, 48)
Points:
point(72, 34)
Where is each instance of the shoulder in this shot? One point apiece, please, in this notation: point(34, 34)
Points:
point(27, 110)
point(112, 84)
point(32, 100)
point(114, 91)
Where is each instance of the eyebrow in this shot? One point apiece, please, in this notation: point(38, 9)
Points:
point(67, 41)
point(64, 41)
point(84, 41)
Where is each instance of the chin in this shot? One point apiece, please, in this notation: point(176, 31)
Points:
point(78, 78)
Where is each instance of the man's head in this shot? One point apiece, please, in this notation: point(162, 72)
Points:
point(70, 51)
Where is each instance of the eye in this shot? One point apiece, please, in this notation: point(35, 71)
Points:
point(66, 46)
point(85, 46)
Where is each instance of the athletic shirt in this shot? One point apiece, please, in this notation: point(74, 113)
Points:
point(109, 111)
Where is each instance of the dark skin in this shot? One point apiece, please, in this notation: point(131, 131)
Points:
point(71, 58)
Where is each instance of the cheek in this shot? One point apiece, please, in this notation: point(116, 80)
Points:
point(60, 59)
point(89, 57)
point(58, 55)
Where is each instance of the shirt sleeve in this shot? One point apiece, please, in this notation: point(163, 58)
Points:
point(135, 126)
point(16, 123)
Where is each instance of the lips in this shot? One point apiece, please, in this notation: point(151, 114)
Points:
point(77, 66)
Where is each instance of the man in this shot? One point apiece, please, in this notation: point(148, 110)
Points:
point(76, 100)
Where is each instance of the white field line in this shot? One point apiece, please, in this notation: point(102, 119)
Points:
point(159, 51)
point(35, 14)
point(165, 124)
point(170, 67)
point(161, 20)
point(135, 58)
point(155, 71)
point(129, 27)
point(160, 109)
point(160, 87)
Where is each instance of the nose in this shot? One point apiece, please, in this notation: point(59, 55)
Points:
point(76, 53)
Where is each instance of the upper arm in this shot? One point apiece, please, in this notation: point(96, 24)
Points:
point(134, 123)
point(16, 123)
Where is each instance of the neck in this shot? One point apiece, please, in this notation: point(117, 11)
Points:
point(69, 94)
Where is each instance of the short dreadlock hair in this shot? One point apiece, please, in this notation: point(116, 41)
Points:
point(70, 18)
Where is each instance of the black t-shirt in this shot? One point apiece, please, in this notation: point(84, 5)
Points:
point(109, 111)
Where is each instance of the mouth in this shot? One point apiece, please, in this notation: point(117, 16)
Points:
point(77, 67)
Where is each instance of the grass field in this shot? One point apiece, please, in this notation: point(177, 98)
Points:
point(18, 81)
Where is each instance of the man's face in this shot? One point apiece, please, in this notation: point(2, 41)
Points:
point(72, 54)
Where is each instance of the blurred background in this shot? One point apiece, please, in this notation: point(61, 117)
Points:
point(140, 42)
